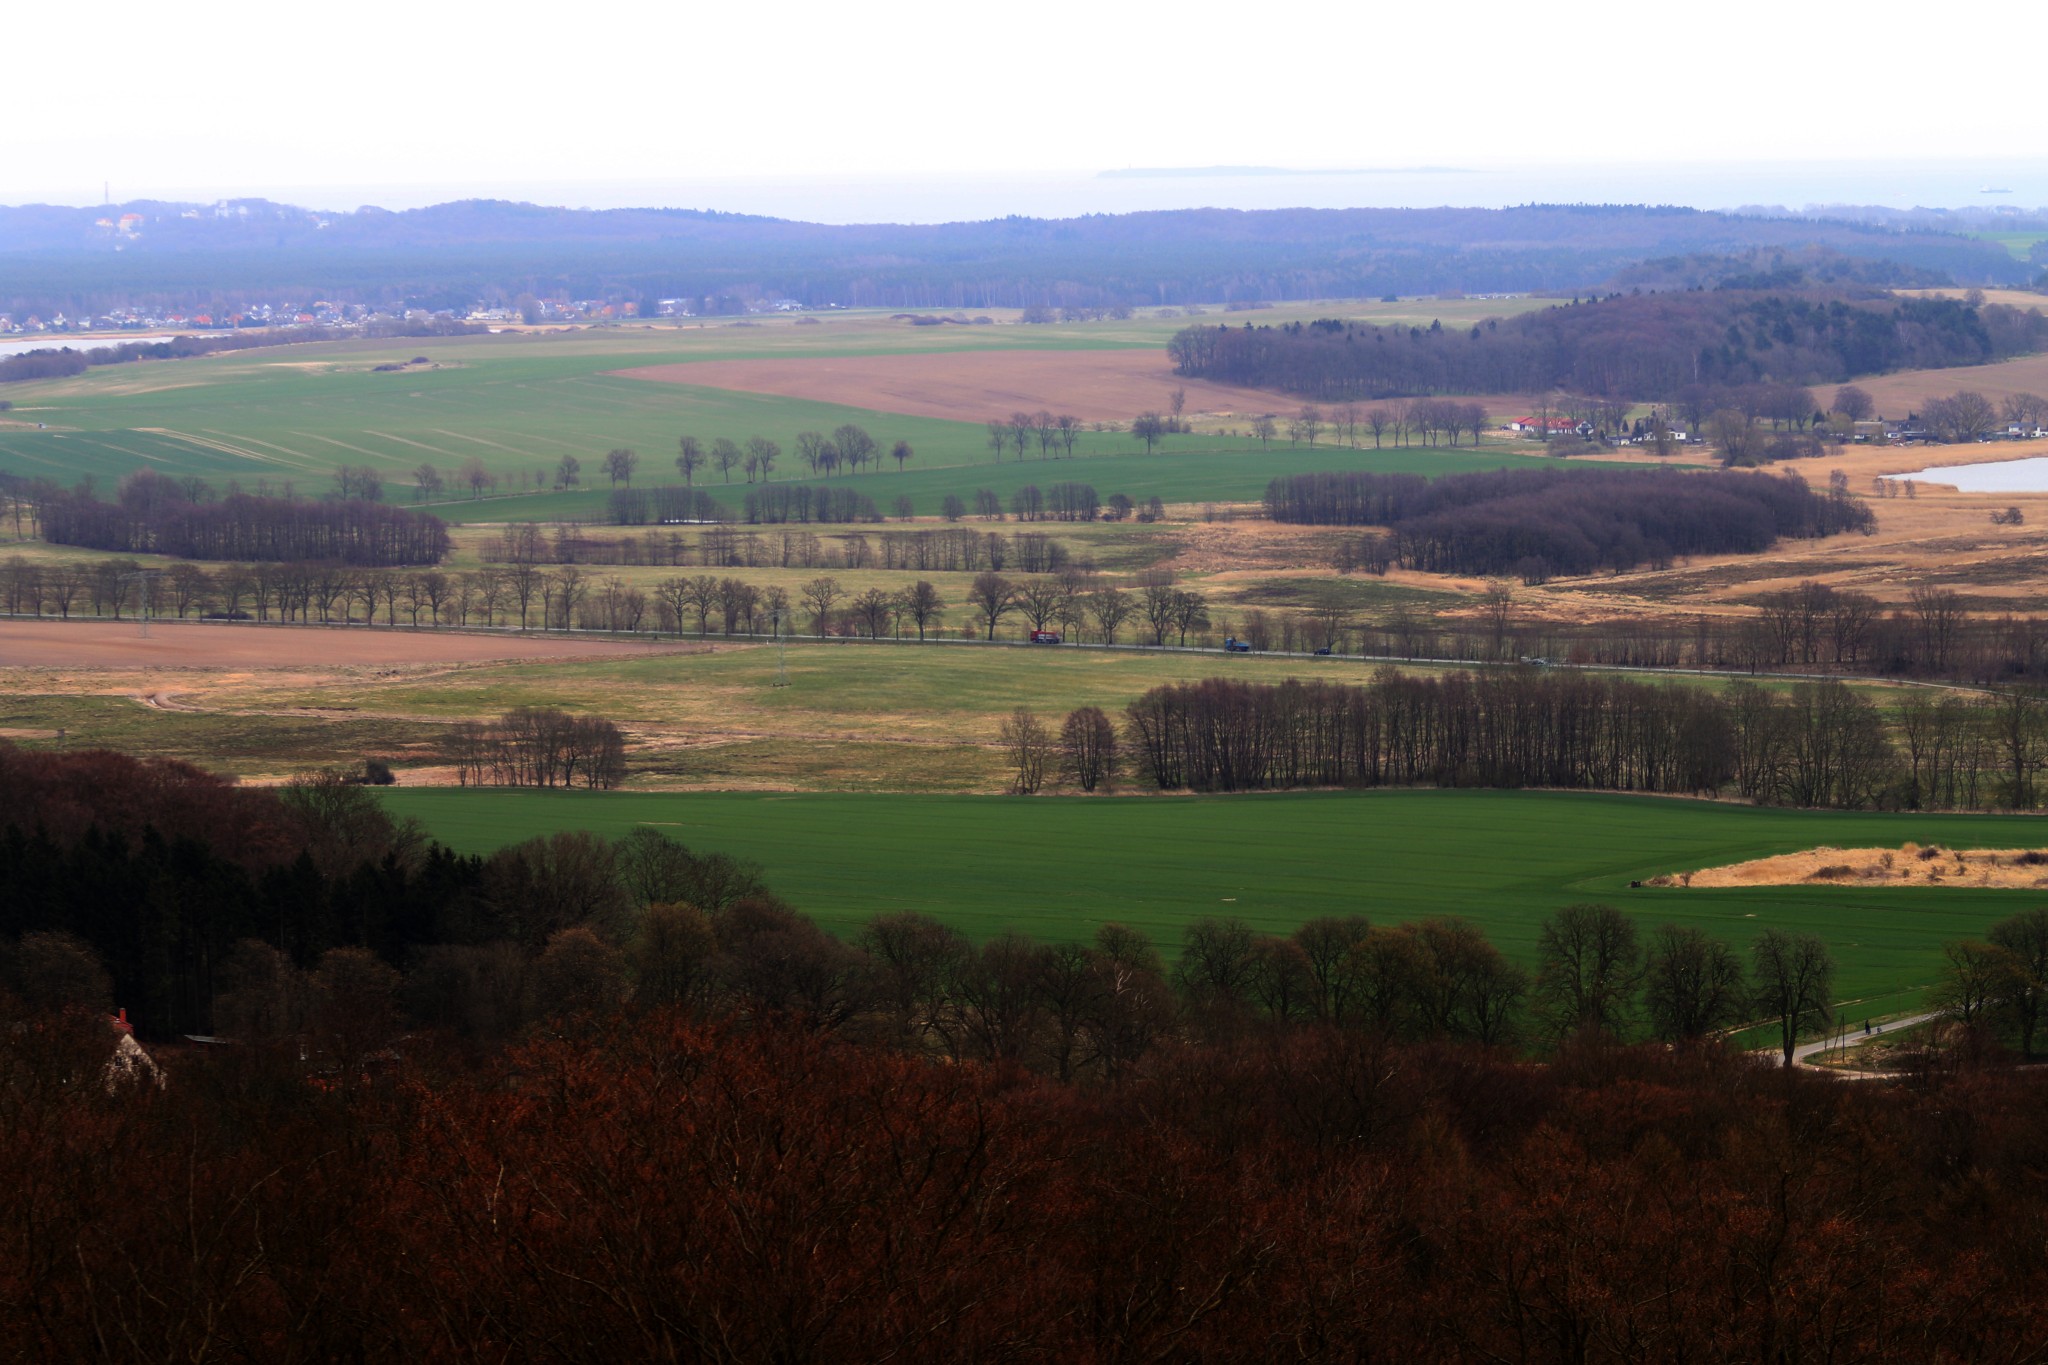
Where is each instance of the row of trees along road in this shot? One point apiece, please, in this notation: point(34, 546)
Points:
point(848, 447)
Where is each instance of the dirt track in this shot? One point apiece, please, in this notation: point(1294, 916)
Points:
point(109, 644)
point(974, 386)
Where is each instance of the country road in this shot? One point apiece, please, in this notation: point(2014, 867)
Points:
point(1854, 1037)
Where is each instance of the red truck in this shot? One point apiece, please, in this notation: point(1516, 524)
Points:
point(1045, 637)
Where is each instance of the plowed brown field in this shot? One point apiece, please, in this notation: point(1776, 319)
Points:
point(109, 644)
point(974, 386)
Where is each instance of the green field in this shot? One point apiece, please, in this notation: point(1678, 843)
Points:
point(519, 403)
point(2018, 243)
point(1055, 868)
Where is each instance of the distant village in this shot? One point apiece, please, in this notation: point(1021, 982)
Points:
point(122, 229)
point(328, 313)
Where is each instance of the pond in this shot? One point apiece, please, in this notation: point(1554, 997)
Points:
point(66, 342)
point(1999, 476)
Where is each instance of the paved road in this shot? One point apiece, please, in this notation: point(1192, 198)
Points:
point(1854, 1037)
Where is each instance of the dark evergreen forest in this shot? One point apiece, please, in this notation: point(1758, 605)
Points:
point(1632, 346)
point(1536, 523)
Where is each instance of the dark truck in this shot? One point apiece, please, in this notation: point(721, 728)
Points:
point(1233, 645)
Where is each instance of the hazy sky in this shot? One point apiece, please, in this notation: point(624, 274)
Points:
point(219, 97)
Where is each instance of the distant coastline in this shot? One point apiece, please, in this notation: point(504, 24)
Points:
point(1232, 172)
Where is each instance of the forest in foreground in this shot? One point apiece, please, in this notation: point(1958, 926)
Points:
point(658, 1187)
point(591, 1120)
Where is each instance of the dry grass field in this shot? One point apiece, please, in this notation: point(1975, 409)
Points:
point(1898, 394)
point(1910, 865)
point(973, 386)
point(102, 644)
point(1938, 537)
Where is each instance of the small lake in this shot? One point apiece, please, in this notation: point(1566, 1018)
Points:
point(2001, 476)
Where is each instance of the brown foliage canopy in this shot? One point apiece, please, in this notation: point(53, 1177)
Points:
point(667, 1189)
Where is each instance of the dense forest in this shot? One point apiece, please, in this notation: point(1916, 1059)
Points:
point(599, 1101)
point(654, 1187)
point(455, 255)
point(1626, 346)
point(1536, 523)
point(244, 527)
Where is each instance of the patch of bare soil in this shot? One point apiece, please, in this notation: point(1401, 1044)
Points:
point(109, 644)
point(974, 386)
point(1908, 865)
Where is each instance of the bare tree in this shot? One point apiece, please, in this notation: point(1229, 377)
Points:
point(619, 464)
point(923, 605)
point(1331, 948)
point(1692, 983)
point(2025, 937)
point(1590, 968)
point(1497, 602)
point(1792, 980)
point(1069, 427)
point(1377, 420)
point(1190, 612)
point(1041, 598)
point(1978, 978)
point(855, 446)
point(1088, 748)
point(993, 597)
point(810, 448)
point(820, 595)
point(1264, 429)
point(876, 610)
point(1148, 427)
point(1110, 607)
point(725, 453)
point(426, 482)
point(1311, 420)
point(1029, 747)
point(1022, 424)
point(689, 458)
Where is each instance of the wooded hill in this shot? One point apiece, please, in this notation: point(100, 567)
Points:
point(1634, 346)
point(454, 255)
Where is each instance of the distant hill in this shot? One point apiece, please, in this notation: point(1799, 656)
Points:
point(491, 251)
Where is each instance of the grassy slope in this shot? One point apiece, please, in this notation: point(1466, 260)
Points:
point(1057, 867)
